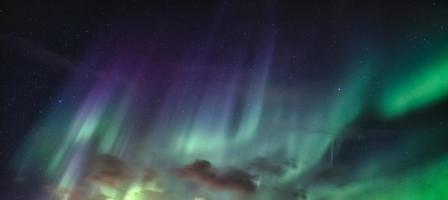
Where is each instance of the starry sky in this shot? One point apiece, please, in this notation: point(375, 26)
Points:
point(326, 100)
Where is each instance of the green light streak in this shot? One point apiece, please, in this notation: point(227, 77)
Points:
point(419, 90)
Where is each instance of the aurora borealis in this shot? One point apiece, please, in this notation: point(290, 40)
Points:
point(235, 100)
point(430, 85)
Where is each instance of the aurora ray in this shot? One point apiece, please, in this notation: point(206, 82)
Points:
point(425, 87)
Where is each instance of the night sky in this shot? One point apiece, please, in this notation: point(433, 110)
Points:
point(325, 100)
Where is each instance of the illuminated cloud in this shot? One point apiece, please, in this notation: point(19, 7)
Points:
point(203, 173)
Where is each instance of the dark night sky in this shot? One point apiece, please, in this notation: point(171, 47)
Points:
point(44, 42)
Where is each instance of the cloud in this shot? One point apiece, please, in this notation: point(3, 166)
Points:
point(266, 165)
point(111, 171)
point(202, 172)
